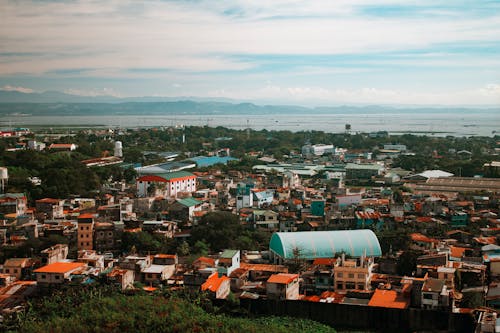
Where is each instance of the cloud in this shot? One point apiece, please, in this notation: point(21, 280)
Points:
point(94, 92)
point(18, 89)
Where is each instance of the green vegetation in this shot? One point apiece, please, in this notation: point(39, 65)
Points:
point(105, 310)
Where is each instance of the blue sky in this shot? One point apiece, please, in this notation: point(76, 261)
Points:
point(288, 52)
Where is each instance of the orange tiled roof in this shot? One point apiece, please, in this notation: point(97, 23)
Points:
point(325, 261)
point(388, 299)
point(213, 283)
point(486, 240)
point(205, 260)
point(417, 237)
point(60, 267)
point(457, 252)
point(282, 278)
point(86, 216)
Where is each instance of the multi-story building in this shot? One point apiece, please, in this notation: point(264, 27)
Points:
point(13, 203)
point(52, 208)
point(351, 274)
point(85, 232)
point(104, 236)
point(283, 286)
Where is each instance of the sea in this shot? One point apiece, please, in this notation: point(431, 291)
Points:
point(435, 123)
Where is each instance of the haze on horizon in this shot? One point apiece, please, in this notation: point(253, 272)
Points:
point(427, 52)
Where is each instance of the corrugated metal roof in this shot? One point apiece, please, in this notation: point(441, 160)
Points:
point(325, 244)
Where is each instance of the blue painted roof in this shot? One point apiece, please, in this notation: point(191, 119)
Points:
point(325, 244)
point(204, 161)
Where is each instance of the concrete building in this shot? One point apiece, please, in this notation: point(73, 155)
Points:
point(53, 254)
point(353, 274)
point(363, 171)
point(218, 287)
point(85, 240)
point(283, 286)
point(57, 273)
point(52, 208)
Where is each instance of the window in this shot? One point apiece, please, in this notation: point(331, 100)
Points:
point(427, 296)
point(340, 286)
point(340, 274)
point(87, 228)
point(361, 287)
point(88, 243)
point(44, 276)
point(351, 275)
point(7, 270)
point(81, 228)
point(57, 277)
point(110, 233)
point(15, 270)
point(361, 276)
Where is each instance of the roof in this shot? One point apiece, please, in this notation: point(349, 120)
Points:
point(60, 267)
point(434, 174)
point(49, 200)
point(213, 282)
point(388, 299)
point(155, 269)
point(18, 262)
point(282, 278)
point(203, 161)
point(433, 285)
point(229, 253)
point(356, 166)
point(325, 244)
point(86, 216)
point(418, 237)
point(205, 260)
point(189, 202)
point(167, 177)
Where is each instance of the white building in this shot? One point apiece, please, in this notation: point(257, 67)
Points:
point(168, 184)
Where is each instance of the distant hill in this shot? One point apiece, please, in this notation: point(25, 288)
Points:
point(54, 103)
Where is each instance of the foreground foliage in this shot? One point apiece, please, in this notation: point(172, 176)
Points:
point(97, 311)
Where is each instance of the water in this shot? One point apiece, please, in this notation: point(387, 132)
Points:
point(479, 123)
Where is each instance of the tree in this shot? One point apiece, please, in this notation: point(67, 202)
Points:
point(218, 229)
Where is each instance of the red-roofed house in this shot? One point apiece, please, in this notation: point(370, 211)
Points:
point(283, 286)
point(166, 184)
point(218, 287)
point(57, 273)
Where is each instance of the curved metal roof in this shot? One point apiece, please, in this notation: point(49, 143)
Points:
point(325, 244)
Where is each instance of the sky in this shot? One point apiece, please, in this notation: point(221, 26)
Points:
point(304, 52)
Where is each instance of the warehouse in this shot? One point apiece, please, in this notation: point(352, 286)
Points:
point(311, 245)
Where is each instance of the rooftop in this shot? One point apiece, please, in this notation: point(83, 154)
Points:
point(60, 267)
point(282, 278)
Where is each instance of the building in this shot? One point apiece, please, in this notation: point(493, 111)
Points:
point(123, 277)
point(310, 245)
point(63, 146)
point(229, 260)
point(57, 273)
point(363, 171)
point(104, 236)
point(267, 219)
point(52, 208)
point(435, 294)
point(218, 287)
point(16, 267)
point(166, 184)
point(53, 254)
point(85, 232)
point(353, 274)
point(13, 203)
point(283, 286)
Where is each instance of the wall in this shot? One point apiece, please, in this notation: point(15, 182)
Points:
point(364, 317)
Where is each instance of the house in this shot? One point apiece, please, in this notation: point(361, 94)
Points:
point(104, 236)
point(53, 254)
point(218, 287)
point(262, 197)
point(183, 209)
point(16, 266)
point(265, 219)
point(229, 260)
point(435, 294)
point(166, 184)
point(63, 146)
point(52, 208)
point(91, 258)
point(123, 277)
point(157, 273)
point(283, 286)
point(15, 203)
point(57, 273)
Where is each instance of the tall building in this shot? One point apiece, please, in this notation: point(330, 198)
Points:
point(85, 232)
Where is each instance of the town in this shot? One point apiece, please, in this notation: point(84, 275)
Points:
point(370, 231)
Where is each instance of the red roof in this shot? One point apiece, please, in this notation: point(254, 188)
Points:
point(388, 299)
point(325, 261)
point(60, 267)
point(86, 216)
point(48, 200)
point(486, 240)
point(282, 278)
point(152, 178)
point(457, 252)
point(214, 282)
point(205, 260)
point(417, 237)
